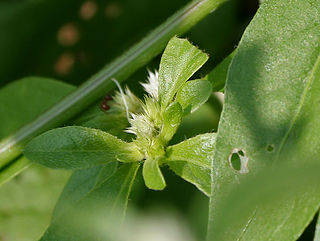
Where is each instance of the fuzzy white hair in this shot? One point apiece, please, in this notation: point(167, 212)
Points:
point(152, 86)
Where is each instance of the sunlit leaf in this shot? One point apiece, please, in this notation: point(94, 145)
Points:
point(271, 116)
point(172, 119)
point(179, 62)
point(78, 147)
point(152, 175)
point(191, 159)
point(193, 94)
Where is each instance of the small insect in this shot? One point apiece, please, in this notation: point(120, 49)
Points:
point(104, 103)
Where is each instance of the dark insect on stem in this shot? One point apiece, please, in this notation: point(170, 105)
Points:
point(104, 103)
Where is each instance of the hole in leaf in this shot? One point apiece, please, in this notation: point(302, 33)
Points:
point(235, 161)
point(239, 161)
point(270, 148)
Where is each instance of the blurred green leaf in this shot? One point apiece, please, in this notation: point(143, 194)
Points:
point(79, 147)
point(80, 184)
point(12, 170)
point(191, 159)
point(193, 94)
point(179, 62)
point(26, 203)
point(113, 123)
point(107, 201)
point(23, 100)
point(317, 233)
point(270, 115)
point(270, 188)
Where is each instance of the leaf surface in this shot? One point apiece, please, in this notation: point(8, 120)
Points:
point(171, 120)
point(179, 62)
point(23, 100)
point(191, 160)
point(270, 188)
point(270, 115)
point(78, 147)
point(80, 184)
point(152, 175)
point(107, 202)
point(193, 94)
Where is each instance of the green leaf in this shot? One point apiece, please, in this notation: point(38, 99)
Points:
point(179, 62)
point(12, 170)
point(79, 147)
point(23, 100)
point(193, 94)
point(80, 184)
point(172, 118)
point(191, 160)
point(26, 202)
point(218, 75)
point(317, 233)
point(152, 175)
point(270, 188)
point(107, 202)
point(271, 116)
point(195, 174)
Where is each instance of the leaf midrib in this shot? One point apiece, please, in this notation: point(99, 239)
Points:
point(300, 106)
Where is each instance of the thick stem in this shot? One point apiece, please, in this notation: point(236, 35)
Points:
point(101, 83)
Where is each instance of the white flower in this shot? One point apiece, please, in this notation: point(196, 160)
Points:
point(148, 123)
point(131, 101)
point(152, 86)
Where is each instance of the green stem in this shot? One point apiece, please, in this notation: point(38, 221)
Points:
point(14, 169)
point(101, 83)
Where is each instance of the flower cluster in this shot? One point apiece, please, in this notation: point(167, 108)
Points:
point(146, 117)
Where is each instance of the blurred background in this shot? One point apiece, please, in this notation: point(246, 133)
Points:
point(70, 41)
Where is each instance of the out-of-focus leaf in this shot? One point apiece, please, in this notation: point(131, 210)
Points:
point(114, 124)
point(10, 171)
point(218, 75)
point(271, 189)
point(78, 147)
point(23, 100)
point(179, 62)
point(193, 94)
point(107, 200)
point(191, 159)
point(317, 233)
point(26, 203)
point(270, 116)
point(80, 184)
